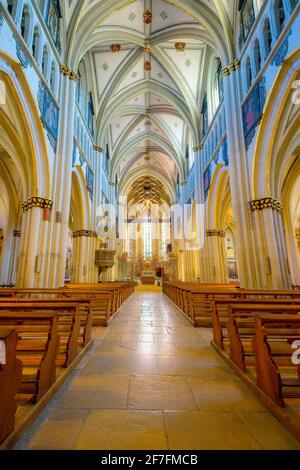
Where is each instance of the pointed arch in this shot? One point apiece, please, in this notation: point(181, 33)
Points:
point(24, 135)
point(274, 136)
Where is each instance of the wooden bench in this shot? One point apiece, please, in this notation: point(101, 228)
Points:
point(189, 298)
point(99, 301)
point(195, 302)
point(37, 348)
point(121, 291)
point(10, 379)
point(277, 375)
point(85, 312)
point(260, 350)
point(241, 329)
point(220, 313)
point(102, 303)
point(68, 324)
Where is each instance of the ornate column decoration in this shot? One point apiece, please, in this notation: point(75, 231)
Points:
point(68, 72)
point(198, 147)
point(37, 201)
point(215, 233)
point(98, 148)
point(17, 233)
point(266, 203)
point(84, 233)
point(235, 65)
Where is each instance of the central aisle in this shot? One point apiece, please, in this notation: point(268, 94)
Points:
point(152, 381)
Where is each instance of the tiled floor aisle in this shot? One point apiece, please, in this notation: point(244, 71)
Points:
point(153, 382)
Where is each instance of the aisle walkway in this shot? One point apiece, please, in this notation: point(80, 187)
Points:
point(153, 382)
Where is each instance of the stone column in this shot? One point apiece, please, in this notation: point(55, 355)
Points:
point(274, 270)
point(10, 251)
point(83, 256)
point(216, 242)
point(239, 177)
point(63, 177)
point(201, 226)
point(31, 271)
point(95, 241)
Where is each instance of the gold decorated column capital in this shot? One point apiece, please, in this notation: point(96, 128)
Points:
point(84, 233)
point(215, 233)
point(68, 72)
point(232, 67)
point(198, 147)
point(98, 148)
point(37, 201)
point(17, 233)
point(266, 203)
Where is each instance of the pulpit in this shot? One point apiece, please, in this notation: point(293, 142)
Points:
point(104, 259)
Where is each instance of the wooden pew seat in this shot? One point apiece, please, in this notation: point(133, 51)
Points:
point(277, 375)
point(10, 378)
point(37, 348)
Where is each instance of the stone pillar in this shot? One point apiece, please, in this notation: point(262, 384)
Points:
point(81, 255)
point(239, 177)
point(201, 226)
point(10, 251)
point(95, 241)
point(267, 217)
point(216, 243)
point(63, 177)
point(31, 271)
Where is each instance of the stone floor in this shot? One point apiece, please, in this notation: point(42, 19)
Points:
point(152, 381)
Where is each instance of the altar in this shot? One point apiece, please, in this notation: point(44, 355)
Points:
point(148, 278)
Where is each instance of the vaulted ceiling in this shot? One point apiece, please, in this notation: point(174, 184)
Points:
point(147, 62)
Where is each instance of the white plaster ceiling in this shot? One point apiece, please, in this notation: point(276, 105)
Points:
point(146, 111)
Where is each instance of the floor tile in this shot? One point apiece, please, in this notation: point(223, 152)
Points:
point(124, 430)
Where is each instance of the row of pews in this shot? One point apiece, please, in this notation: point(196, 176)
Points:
point(43, 335)
point(257, 332)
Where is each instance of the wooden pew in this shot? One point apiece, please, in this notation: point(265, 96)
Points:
point(85, 307)
point(195, 302)
point(68, 326)
point(108, 297)
point(189, 296)
point(276, 374)
point(121, 290)
point(220, 313)
point(37, 348)
point(100, 301)
point(10, 379)
point(241, 329)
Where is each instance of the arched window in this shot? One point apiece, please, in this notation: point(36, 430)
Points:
point(279, 15)
point(293, 4)
point(267, 33)
point(25, 23)
point(248, 73)
point(52, 77)
point(36, 44)
point(11, 6)
point(45, 62)
point(257, 56)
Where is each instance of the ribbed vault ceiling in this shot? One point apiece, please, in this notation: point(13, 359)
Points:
point(147, 63)
point(148, 189)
